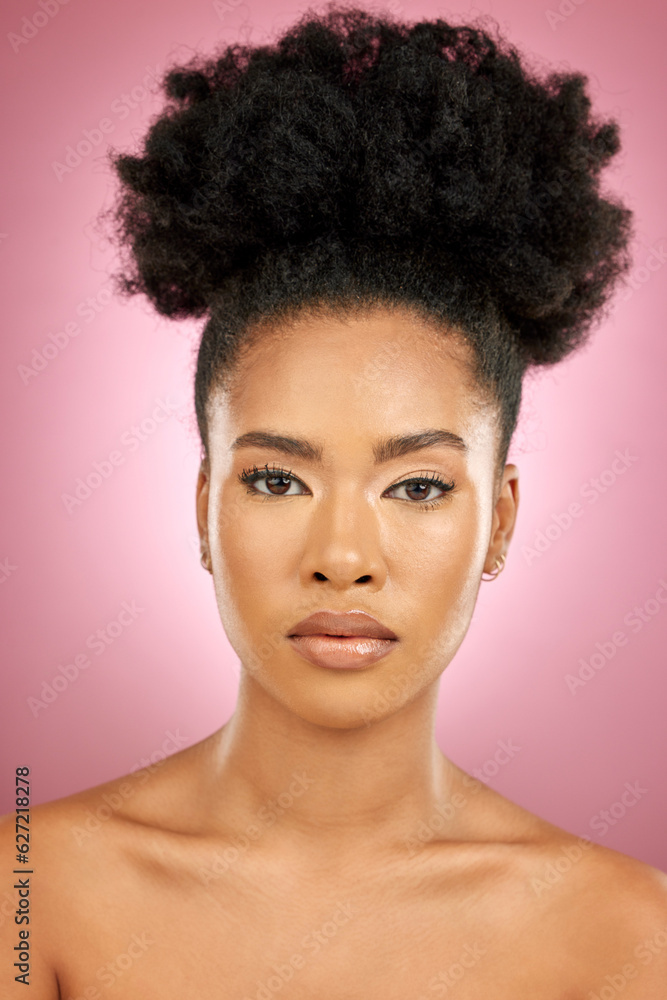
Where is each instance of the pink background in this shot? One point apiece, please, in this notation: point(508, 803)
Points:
point(170, 669)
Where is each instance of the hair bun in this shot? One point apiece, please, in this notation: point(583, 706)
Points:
point(432, 139)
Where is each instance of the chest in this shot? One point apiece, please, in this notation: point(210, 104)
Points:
point(349, 942)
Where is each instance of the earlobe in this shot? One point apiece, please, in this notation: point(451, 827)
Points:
point(498, 567)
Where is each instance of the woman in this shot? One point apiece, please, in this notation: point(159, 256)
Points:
point(386, 225)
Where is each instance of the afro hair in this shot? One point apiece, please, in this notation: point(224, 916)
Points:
point(361, 160)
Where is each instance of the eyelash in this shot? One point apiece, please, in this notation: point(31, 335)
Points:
point(250, 476)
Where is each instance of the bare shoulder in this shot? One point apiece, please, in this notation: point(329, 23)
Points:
point(89, 845)
point(595, 911)
point(96, 844)
point(606, 910)
point(65, 831)
point(620, 888)
point(148, 801)
point(91, 840)
point(558, 862)
point(613, 908)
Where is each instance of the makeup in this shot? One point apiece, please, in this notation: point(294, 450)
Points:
point(350, 640)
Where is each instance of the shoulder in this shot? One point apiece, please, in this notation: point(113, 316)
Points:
point(85, 832)
point(86, 846)
point(104, 819)
point(589, 909)
point(64, 834)
point(606, 911)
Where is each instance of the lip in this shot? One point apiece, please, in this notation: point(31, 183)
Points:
point(342, 623)
point(349, 640)
point(351, 652)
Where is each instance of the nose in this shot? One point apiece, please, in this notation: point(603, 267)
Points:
point(343, 543)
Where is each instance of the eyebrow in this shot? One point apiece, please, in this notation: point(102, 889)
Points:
point(383, 451)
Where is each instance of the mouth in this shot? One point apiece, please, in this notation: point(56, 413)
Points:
point(342, 640)
point(342, 652)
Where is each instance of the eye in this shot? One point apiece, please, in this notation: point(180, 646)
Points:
point(419, 490)
point(277, 481)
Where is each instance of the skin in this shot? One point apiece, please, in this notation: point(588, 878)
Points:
point(321, 832)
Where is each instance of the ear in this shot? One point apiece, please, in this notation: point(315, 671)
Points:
point(504, 517)
point(203, 481)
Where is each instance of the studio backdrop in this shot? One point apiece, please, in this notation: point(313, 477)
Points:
point(113, 655)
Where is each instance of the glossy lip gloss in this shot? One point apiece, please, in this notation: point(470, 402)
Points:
point(342, 640)
point(342, 652)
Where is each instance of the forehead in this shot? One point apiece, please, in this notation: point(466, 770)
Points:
point(374, 337)
point(337, 376)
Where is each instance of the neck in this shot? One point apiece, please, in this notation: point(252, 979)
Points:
point(338, 789)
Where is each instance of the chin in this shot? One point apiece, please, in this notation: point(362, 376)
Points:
point(355, 700)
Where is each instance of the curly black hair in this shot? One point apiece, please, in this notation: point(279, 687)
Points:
point(363, 161)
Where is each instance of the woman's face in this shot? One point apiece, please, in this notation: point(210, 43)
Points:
point(340, 532)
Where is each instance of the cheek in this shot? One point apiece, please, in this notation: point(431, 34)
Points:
point(444, 547)
point(255, 556)
point(437, 570)
point(242, 561)
point(255, 548)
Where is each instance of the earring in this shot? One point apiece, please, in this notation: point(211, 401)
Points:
point(499, 566)
point(205, 561)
